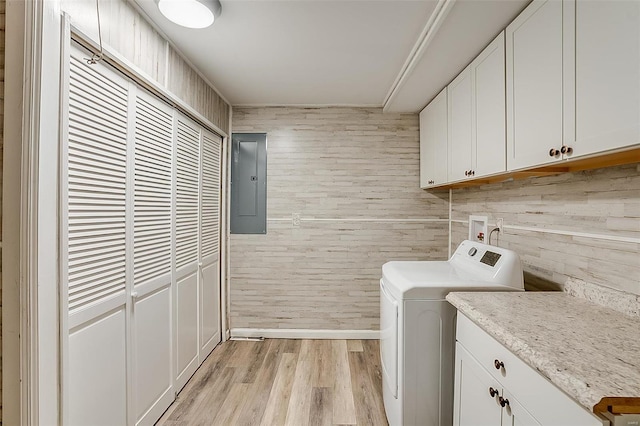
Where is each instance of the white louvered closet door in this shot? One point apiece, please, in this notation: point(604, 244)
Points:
point(210, 243)
point(94, 244)
point(187, 205)
point(140, 213)
point(152, 257)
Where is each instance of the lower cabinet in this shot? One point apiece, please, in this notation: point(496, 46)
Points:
point(480, 400)
point(493, 387)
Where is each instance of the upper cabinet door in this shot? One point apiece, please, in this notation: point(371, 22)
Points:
point(489, 115)
point(460, 101)
point(607, 75)
point(433, 142)
point(534, 51)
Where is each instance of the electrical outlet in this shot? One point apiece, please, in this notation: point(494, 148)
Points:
point(500, 224)
point(295, 219)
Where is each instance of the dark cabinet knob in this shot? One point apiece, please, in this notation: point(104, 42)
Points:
point(472, 172)
point(553, 152)
point(493, 392)
point(466, 172)
point(503, 401)
point(566, 149)
point(498, 364)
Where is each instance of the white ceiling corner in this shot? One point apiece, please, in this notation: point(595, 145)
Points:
point(336, 52)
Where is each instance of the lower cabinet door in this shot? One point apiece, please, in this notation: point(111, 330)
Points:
point(473, 404)
point(514, 414)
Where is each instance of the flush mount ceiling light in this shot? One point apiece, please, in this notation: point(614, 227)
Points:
point(190, 13)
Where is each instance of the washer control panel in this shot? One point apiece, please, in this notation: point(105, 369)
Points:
point(476, 261)
point(490, 258)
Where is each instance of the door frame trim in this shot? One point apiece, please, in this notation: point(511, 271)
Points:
point(30, 172)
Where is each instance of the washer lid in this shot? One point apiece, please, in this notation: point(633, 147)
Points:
point(432, 280)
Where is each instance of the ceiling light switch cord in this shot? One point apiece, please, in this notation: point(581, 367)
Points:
point(97, 57)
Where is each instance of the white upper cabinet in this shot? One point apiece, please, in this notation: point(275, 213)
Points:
point(477, 116)
point(534, 51)
point(489, 110)
point(562, 82)
point(573, 80)
point(460, 102)
point(607, 75)
point(433, 142)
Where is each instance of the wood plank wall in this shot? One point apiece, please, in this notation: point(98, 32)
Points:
point(130, 34)
point(2, 27)
point(584, 225)
point(353, 176)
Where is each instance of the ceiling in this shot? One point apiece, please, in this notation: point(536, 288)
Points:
point(349, 52)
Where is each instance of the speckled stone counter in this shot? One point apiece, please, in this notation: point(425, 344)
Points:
point(589, 351)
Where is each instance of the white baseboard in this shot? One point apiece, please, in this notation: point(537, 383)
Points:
point(299, 333)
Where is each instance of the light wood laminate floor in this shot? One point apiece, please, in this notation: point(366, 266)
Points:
point(284, 382)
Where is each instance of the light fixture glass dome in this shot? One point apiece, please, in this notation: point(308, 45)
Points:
point(190, 13)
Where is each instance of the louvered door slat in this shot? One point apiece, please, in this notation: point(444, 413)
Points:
point(96, 164)
point(187, 188)
point(152, 198)
point(210, 195)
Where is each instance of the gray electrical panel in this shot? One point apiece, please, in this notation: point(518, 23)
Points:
point(249, 183)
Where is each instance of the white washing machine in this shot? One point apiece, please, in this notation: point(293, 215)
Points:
point(417, 327)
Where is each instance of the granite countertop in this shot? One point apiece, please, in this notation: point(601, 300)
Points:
point(588, 351)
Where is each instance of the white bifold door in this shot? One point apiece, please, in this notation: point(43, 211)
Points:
point(140, 289)
point(197, 290)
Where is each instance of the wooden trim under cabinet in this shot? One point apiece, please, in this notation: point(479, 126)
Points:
point(618, 405)
point(596, 161)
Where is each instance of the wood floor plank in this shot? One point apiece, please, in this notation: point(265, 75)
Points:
point(230, 409)
point(276, 410)
point(354, 345)
point(195, 391)
point(214, 397)
point(258, 394)
point(322, 364)
point(374, 366)
point(254, 364)
point(344, 411)
point(284, 382)
point(243, 353)
point(369, 407)
point(300, 401)
point(292, 346)
point(321, 410)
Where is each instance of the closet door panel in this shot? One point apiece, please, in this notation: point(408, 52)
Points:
point(210, 308)
point(140, 230)
point(151, 316)
point(187, 328)
point(210, 242)
point(187, 223)
point(97, 372)
point(153, 191)
point(152, 368)
point(94, 270)
point(187, 194)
